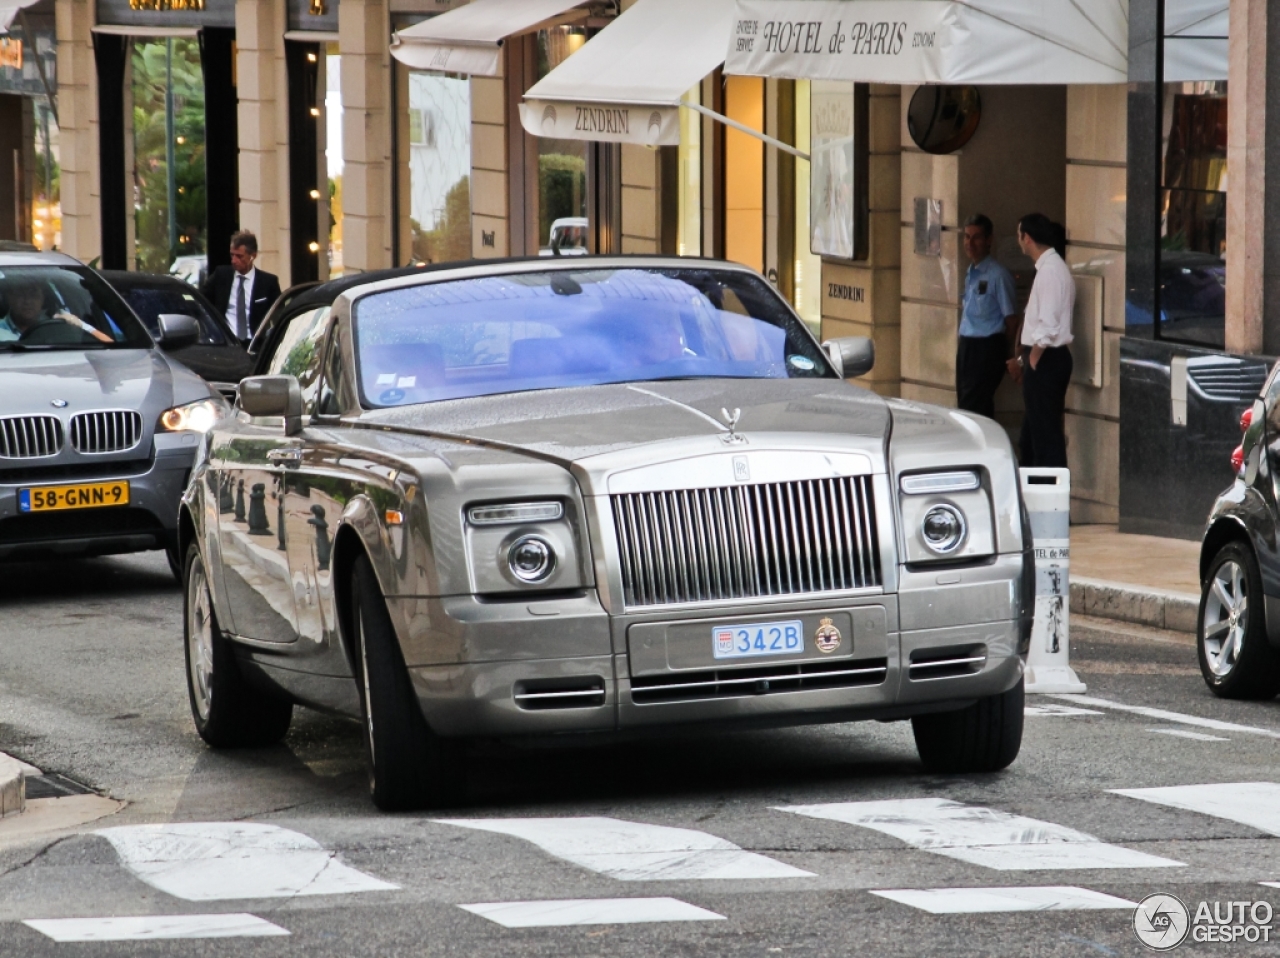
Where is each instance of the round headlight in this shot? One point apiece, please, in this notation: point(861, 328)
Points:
point(531, 558)
point(943, 529)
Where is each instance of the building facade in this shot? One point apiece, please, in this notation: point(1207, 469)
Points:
point(311, 133)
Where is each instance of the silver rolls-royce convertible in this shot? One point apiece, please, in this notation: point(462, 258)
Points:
point(544, 497)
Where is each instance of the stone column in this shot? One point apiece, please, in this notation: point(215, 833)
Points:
point(639, 199)
point(490, 222)
point(263, 121)
point(364, 36)
point(1253, 141)
point(78, 130)
point(864, 298)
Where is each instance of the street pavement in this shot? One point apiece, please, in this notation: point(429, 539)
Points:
point(828, 840)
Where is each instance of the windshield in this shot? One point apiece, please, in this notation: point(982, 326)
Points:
point(150, 301)
point(501, 334)
point(64, 307)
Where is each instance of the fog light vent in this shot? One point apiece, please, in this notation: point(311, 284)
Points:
point(539, 695)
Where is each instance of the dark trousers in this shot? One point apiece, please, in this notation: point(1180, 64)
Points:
point(1044, 392)
point(979, 368)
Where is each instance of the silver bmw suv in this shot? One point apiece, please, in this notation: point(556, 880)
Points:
point(98, 427)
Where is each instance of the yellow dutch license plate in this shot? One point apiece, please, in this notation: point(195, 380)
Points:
point(85, 495)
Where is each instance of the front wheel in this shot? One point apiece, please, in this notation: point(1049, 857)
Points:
point(409, 766)
point(1236, 659)
point(985, 737)
point(228, 712)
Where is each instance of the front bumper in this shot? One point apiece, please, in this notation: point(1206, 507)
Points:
point(149, 521)
point(565, 665)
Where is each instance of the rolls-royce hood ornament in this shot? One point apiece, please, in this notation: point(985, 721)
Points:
point(731, 421)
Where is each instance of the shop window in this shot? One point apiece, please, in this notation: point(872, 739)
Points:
point(46, 219)
point(439, 167)
point(333, 155)
point(744, 173)
point(807, 280)
point(167, 98)
point(1193, 234)
point(562, 164)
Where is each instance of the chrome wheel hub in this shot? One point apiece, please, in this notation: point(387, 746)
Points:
point(1226, 618)
point(200, 640)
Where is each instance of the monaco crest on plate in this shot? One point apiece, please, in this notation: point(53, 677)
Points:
point(827, 638)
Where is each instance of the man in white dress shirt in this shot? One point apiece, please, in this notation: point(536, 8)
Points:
point(1044, 365)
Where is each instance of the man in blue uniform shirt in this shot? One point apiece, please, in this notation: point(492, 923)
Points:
point(988, 324)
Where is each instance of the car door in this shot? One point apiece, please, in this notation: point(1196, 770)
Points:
point(256, 464)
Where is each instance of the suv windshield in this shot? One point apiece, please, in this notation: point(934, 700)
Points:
point(542, 330)
point(64, 307)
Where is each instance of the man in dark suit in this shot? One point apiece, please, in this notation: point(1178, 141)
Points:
point(243, 293)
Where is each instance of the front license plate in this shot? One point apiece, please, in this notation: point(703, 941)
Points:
point(762, 638)
point(86, 495)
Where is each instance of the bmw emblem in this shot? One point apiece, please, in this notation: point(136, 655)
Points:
point(59, 404)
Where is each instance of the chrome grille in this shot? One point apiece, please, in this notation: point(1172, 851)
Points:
point(699, 545)
point(30, 437)
point(1228, 379)
point(113, 431)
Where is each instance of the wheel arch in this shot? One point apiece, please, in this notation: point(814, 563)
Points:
point(186, 531)
point(347, 548)
point(1224, 530)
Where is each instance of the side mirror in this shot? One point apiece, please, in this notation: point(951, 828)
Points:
point(273, 396)
point(178, 330)
point(851, 355)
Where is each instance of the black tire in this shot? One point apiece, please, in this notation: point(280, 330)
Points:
point(1236, 659)
point(176, 565)
point(410, 767)
point(985, 737)
point(228, 712)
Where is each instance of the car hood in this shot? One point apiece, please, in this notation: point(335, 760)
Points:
point(141, 379)
point(572, 425)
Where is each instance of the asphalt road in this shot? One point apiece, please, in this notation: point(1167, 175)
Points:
point(92, 692)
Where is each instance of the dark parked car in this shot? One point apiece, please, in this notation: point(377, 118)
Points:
point(216, 356)
point(585, 495)
point(1238, 633)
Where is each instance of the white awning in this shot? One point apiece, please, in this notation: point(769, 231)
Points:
point(9, 12)
point(625, 84)
point(469, 39)
point(932, 41)
point(1195, 46)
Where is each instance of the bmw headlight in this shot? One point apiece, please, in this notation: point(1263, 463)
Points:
point(199, 416)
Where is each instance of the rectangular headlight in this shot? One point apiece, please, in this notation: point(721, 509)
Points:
point(514, 513)
point(940, 482)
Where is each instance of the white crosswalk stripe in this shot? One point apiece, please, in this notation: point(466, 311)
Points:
point(967, 901)
point(216, 861)
point(594, 911)
point(155, 927)
point(632, 851)
point(1256, 804)
point(983, 836)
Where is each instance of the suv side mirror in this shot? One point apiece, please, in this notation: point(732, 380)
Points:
point(851, 355)
point(273, 396)
point(178, 330)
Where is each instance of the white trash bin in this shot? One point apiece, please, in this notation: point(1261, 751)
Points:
point(1047, 493)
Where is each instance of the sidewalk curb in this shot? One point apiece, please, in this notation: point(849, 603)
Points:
point(1158, 608)
point(13, 786)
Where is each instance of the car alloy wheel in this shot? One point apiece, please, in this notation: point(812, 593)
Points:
point(368, 710)
point(200, 640)
point(1226, 618)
